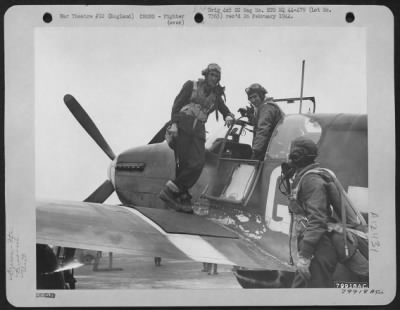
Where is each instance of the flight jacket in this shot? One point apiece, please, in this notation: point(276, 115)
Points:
point(314, 202)
point(184, 121)
point(265, 119)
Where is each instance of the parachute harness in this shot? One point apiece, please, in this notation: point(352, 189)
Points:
point(285, 188)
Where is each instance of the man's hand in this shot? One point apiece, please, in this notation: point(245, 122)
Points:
point(229, 120)
point(173, 130)
point(303, 267)
point(246, 111)
point(243, 112)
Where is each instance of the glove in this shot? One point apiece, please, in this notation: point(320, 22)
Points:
point(250, 110)
point(170, 135)
point(303, 267)
point(246, 111)
point(243, 112)
point(229, 120)
point(173, 130)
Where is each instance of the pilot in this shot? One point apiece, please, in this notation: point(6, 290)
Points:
point(317, 256)
point(264, 116)
point(190, 111)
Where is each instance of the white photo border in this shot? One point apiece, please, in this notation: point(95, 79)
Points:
point(20, 25)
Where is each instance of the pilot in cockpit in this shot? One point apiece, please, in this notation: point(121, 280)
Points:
point(264, 116)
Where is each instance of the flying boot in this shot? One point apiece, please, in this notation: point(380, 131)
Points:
point(185, 200)
point(175, 198)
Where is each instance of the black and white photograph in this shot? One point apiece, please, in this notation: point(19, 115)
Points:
point(226, 154)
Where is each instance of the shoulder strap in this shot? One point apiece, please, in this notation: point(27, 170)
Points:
point(296, 189)
point(194, 90)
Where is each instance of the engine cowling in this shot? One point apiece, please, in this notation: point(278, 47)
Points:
point(141, 173)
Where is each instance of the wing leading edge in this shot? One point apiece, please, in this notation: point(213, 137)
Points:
point(128, 230)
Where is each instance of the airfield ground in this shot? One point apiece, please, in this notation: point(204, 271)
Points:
point(141, 273)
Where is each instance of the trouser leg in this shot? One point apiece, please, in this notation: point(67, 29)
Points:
point(190, 154)
point(322, 266)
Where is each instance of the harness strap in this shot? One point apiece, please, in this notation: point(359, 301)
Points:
point(194, 88)
point(290, 238)
point(193, 94)
point(344, 223)
point(199, 110)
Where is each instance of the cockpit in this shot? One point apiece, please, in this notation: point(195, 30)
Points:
point(236, 141)
point(237, 173)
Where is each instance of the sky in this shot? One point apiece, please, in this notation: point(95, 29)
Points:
point(126, 78)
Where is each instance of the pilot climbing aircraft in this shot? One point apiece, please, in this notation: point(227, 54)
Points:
point(240, 216)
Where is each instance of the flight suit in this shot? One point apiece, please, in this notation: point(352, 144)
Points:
point(314, 240)
point(190, 112)
point(264, 120)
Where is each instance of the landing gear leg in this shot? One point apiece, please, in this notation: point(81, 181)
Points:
point(212, 269)
point(157, 261)
point(110, 259)
point(205, 267)
point(69, 279)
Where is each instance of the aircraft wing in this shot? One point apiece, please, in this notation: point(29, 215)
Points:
point(147, 232)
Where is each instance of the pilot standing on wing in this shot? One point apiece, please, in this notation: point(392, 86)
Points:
point(196, 100)
point(264, 116)
point(317, 256)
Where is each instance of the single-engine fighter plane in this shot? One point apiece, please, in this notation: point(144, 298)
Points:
point(240, 216)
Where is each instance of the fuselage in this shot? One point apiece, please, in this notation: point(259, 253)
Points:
point(141, 172)
point(243, 194)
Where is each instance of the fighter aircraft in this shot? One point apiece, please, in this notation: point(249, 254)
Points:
point(240, 216)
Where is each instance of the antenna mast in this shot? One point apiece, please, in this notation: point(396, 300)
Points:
point(302, 85)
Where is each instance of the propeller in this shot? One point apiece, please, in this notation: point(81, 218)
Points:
point(160, 135)
point(71, 265)
point(101, 193)
point(107, 188)
point(84, 119)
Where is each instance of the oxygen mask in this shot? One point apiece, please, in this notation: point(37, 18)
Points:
point(288, 169)
point(287, 172)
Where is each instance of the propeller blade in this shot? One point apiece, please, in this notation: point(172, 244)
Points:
point(70, 265)
point(101, 193)
point(159, 136)
point(84, 119)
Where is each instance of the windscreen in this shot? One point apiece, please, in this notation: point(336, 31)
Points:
point(293, 126)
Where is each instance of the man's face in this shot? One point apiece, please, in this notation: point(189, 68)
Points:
point(255, 99)
point(213, 78)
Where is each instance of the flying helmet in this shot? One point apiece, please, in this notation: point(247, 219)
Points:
point(256, 88)
point(211, 67)
point(303, 151)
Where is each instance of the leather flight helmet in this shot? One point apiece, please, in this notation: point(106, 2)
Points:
point(303, 149)
point(256, 88)
point(211, 67)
